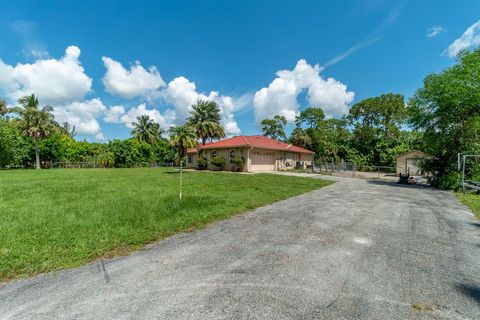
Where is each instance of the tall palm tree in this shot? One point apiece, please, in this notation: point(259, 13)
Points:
point(205, 120)
point(158, 132)
point(182, 138)
point(3, 108)
point(35, 122)
point(145, 129)
point(69, 130)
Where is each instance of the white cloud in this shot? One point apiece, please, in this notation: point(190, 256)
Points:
point(227, 106)
point(470, 38)
point(165, 120)
point(281, 95)
point(64, 84)
point(113, 114)
point(434, 31)
point(182, 93)
point(55, 82)
point(61, 83)
point(331, 95)
point(83, 115)
point(136, 82)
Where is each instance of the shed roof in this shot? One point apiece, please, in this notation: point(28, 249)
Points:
point(423, 154)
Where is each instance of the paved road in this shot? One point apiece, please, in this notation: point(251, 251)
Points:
point(354, 250)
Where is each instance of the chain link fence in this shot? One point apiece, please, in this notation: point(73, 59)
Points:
point(91, 164)
point(348, 169)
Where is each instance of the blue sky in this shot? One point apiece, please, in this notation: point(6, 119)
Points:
point(127, 58)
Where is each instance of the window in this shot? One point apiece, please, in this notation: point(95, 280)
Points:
point(190, 158)
point(214, 153)
point(232, 154)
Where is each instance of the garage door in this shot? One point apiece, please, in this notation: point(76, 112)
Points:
point(262, 161)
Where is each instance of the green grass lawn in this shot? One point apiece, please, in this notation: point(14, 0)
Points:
point(54, 219)
point(472, 201)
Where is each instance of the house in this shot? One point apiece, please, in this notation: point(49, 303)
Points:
point(409, 162)
point(259, 153)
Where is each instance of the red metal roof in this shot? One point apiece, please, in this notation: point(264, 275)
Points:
point(251, 141)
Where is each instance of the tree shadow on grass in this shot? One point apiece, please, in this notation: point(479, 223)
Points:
point(475, 224)
point(398, 185)
point(469, 290)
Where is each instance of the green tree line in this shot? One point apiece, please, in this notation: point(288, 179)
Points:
point(372, 134)
point(442, 119)
point(33, 138)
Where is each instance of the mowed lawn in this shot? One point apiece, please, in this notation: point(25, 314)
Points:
point(54, 219)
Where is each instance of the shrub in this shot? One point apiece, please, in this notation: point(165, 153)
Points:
point(218, 162)
point(106, 159)
point(238, 163)
point(15, 149)
point(201, 163)
point(450, 181)
point(125, 152)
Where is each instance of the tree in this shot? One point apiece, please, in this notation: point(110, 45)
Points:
point(3, 109)
point(14, 147)
point(106, 159)
point(300, 138)
point(205, 120)
point(333, 138)
point(382, 115)
point(182, 138)
point(377, 122)
point(35, 122)
point(69, 130)
point(312, 117)
point(165, 151)
point(126, 153)
point(145, 129)
point(158, 132)
point(274, 128)
point(446, 110)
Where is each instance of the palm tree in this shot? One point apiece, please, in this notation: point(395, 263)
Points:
point(158, 132)
point(3, 108)
point(205, 120)
point(69, 130)
point(182, 138)
point(35, 122)
point(145, 129)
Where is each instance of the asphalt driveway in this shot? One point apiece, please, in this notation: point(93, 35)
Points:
point(353, 250)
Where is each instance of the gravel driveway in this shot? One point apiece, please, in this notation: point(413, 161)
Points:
point(355, 250)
